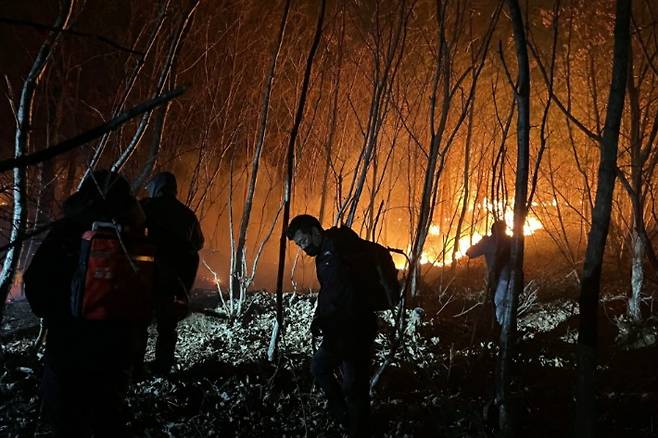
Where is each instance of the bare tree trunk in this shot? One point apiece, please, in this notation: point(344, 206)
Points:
point(69, 180)
point(67, 145)
point(641, 173)
point(154, 148)
point(637, 272)
point(382, 85)
point(238, 261)
point(466, 188)
point(290, 161)
point(334, 122)
point(328, 150)
point(508, 329)
point(585, 426)
point(547, 107)
point(441, 140)
point(130, 84)
point(425, 213)
point(637, 244)
point(46, 181)
point(45, 185)
point(167, 71)
point(640, 242)
point(23, 121)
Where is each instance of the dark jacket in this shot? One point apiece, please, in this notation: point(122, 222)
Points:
point(74, 343)
point(341, 313)
point(176, 232)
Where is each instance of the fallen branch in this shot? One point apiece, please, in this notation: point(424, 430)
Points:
point(464, 312)
point(81, 139)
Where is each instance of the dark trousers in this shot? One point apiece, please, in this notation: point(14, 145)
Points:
point(165, 345)
point(349, 401)
point(85, 403)
point(167, 315)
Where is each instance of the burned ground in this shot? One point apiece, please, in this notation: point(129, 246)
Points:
point(437, 385)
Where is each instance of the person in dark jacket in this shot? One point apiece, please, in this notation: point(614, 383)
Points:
point(176, 232)
point(347, 325)
point(87, 363)
point(496, 249)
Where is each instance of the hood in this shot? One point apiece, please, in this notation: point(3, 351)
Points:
point(103, 196)
point(163, 184)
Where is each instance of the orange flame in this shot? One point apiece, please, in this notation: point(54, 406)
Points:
point(439, 255)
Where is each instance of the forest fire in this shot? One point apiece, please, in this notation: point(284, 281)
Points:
point(443, 254)
point(203, 203)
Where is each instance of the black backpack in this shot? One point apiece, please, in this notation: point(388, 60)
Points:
point(371, 267)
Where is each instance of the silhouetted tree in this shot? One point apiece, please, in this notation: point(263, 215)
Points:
point(23, 122)
point(590, 285)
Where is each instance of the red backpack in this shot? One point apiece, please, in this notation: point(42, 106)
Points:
point(115, 275)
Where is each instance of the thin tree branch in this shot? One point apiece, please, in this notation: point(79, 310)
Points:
point(558, 102)
point(81, 139)
point(41, 26)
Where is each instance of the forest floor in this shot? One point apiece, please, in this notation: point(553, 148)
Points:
point(437, 386)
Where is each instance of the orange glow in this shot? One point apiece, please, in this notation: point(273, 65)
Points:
point(400, 261)
point(439, 255)
point(531, 225)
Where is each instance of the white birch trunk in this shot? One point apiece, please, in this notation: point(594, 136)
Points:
point(23, 121)
point(637, 274)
